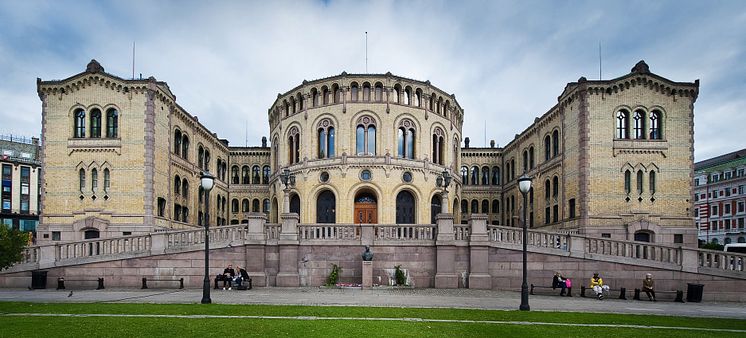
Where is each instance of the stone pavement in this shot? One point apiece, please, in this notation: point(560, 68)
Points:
point(384, 296)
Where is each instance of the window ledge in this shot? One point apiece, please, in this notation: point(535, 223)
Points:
point(624, 146)
point(94, 145)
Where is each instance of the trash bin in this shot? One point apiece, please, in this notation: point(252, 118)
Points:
point(694, 292)
point(38, 279)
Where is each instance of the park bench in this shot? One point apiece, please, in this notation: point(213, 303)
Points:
point(145, 282)
point(569, 290)
point(679, 295)
point(61, 282)
point(245, 285)
point(622, 292)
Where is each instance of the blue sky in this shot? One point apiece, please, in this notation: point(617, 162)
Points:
point(506, 62)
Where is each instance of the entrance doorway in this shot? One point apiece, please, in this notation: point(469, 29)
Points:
point(404, 208)
point(366, 208)
point(326, 208)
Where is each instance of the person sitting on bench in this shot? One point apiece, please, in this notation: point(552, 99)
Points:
point(228, 275)
point(559, 282)
point(647, 286)
point(597, 284)
point(241, 277)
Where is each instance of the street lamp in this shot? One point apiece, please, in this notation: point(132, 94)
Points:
point(524, 185)
point(207, 181)
point(443, 181)
point(288, 180)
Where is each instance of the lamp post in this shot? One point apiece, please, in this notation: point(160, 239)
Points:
point(207, 181)
point(288, 180)
point(443, 181)
point(524, 185)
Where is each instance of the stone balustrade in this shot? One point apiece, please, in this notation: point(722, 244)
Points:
point(461, 232)
point(637, 250)
point(328, 231)
point(273, 230)
point(720, 260)
point(404, 232)
point(512, 236)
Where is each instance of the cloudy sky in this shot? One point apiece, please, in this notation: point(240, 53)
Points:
point(506, 62)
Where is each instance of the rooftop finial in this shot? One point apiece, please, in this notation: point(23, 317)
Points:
point(94, 67)
point(641, 67)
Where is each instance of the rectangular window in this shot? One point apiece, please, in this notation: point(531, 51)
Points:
point(727, 175)
point(726, 209)
point(713, 225)
point(56, 235)
point(727, 224)
point(727, 192)
point(741, 207)
point(740, 223)
point(696, 182)
point(7, 183)
point(678, 238)
point(555, 215)
point(572, 208)
point(740, 189)
point(25, 190)
point(715, 210)
point(696, 212)
point(714, 193)
point(696, 197)
point(605, 235)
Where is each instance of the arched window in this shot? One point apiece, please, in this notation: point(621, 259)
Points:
point(366, 92)
point(314, 98)
point(255, 178)
point(94, 180)
point(525, 161)
point(200, 156)
point(639, 122)
point(547, 190)
point(485, 175)
point(507, 171)
point(651, 182)
point(177, 185)
point(474, 175)
point(299, 98)
point(337, 95)
point(354, 89)
point(485, 206)
point(295, 203)
point(265, 206)
point(112, 123)
point(639, 182)
point(406, 136)
point(435, 207)
point(655, 127)
point(234, 205)
point(531, 157)
point(293, 145)
point(555, 143)
point(245, 178)
point(438, 146)
point(495, 206)
point(286, 107)
point(512, 169)
point(555, 188)
point(495, 175)
point(547, 148)
point(418, 98)
point(464, 207)
point(177, 142)
point(407, 96)
point(185, 188)
point(265, 175)
point(474, 206)
point(95, 123)
point(465, 175)
point(255, 205)
point(642, 236)
point(292, 105)
point(627, 182)
point(234, 174)
point(325, 139)
point(325, 95)
point(326, 207)
point(622, 124)
point(365, 136)
point(405, 208)
point(275, 154)
point(79, 130)
point(379, 92)
point(107, 180)
point(185, 148)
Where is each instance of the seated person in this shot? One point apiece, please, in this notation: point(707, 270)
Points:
point(242, 276)
point(228, 275)
point(597, 284)
point(558, 281)
point(647, 286)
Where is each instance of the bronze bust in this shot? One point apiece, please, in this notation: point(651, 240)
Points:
point(367, 255)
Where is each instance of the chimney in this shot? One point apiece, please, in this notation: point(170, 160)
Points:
point(264, 142)
point(492, 143)
point(466, 142)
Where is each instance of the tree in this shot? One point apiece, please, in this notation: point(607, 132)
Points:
point(12, 243)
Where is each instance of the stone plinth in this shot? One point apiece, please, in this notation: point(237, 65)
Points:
point(367, 274)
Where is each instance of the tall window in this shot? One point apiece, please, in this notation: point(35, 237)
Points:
point(622, 124)
point(406, 139)
point(651, 182)
point(531, 157)
point(418, 98)
point(299, 97)
point(639, 121)
point(474, 206)
point(255, 205)
point(325, 95)
point(407, 96)
point(354, 89)
point(293, 145)
point(185, 188)
point(200, 156)
point(234, 174)
point(95, 123)
point(525, 161)
point(326, 139)
point(234, 205)
point(555, 143)
point(185, 149)
point(79, 123)
point(81, 179)
point(438, 146)
point(314, 98)
point(177, 185)
point(465, 175)
point(366, 91)
point(112, 123)
point(265, 174)
point(555, 188)
point(107, 180)
point(365, 136)
point(495, 175)
point(244, 205)
point(627, 182)
point(245, 179)
point(655, 129)
point(265, 206)
point(547, 148)
point(485, 175)
point(379, 92)
point(337, 93)
point(474, 175)
point(639, 182)
point(94, 180)
point(255, 178)
point(177, 142)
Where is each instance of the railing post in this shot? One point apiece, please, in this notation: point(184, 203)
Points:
point(158, 243)
point(689, 259)
point(288, 246)
point(255, 247)
point(479, 277)
point(577, 245)
point(445, 276)
point(47, 256)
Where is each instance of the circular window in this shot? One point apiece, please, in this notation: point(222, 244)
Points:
point(324, 177)
point(406, 177)
point(365, 175)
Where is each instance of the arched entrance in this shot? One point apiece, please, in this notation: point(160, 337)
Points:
point(366, 208)
point(435, 207)
point(326, 207)
point(295, 203)
point(404, 208)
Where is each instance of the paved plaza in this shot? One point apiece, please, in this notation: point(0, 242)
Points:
point(383, 297)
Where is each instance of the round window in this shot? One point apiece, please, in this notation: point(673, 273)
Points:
point(365, 175)
point(406, 177)
point(324, 177)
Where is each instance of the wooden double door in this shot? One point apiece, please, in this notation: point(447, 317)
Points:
point(366, 212)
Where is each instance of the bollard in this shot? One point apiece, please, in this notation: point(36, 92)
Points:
point(61, 283)
point(623, 293)
point(144, 283)
point(100, 284)
point(181, 283)
point(679, 296)
point(582, 291)
point(637, 294)
point(532, 289)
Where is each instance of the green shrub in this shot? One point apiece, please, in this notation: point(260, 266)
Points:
point(334, 275)
point(399, 276)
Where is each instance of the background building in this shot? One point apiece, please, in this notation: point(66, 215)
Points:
point(20, 167)
point(613, 158)
point(720, 196)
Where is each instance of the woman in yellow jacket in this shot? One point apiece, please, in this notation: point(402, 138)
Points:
point(597, 284)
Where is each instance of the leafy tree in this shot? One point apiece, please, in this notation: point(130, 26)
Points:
point(12, 243)
point(712, 246)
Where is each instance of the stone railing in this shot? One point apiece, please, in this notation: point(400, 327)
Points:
point(514, 236)
point(328, 231)
point(273, 230)
point(720, 260)
point(187, 238)
point(102, 247)
point(637, 250)
point(461, 232)
point(402, 232)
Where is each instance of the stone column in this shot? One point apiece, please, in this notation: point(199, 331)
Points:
point(367, 274)
point(444, 202)
point(689, 260)
point(285, 201)
point(479, 277)
point(47, 256)
point(158, 243)
point(445, 276)
point(288, 246)
point(255, 248)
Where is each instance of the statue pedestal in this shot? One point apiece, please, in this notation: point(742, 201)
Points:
point(367, 274)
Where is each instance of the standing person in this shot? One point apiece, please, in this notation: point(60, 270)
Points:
point(597, 284)
point(228, 275)
point(558, 281)
point(648, 285)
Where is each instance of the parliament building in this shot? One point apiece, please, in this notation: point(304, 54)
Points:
point(612, 158)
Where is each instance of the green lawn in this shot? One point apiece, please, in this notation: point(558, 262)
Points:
point(35, 326)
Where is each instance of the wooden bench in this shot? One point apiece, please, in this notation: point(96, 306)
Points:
point(622, 292)
point(245, 284)
point(569, 290)
point(679, 295)
point(145, 282)
point(61, 282)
